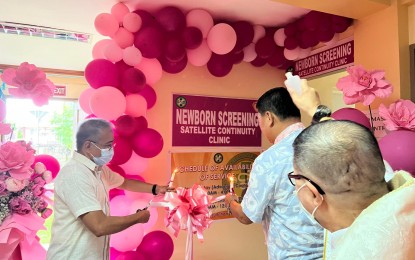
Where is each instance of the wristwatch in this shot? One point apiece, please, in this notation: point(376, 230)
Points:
point(321, 112)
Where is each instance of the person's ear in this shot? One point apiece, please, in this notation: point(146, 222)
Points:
point(269, 117)
point(317, 197)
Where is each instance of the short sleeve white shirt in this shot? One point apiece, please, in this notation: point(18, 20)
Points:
point(80, 188)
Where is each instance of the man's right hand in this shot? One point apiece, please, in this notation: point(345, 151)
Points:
point(308, 100)
point(143, 216)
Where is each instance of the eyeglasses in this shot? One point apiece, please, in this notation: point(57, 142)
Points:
point(109, 147)
point(291, 176)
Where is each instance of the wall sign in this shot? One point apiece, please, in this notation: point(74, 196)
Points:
point(326, 60)
point(60, 91)
point(213, 121)
point(212, 170)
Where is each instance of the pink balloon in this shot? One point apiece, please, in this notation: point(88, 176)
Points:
point(125, 125)
point(152, 221)
point(147, 143)
point(123, 38)
point(132, 22)
point(114, 253)
point(50, 162)
point(150, 95)
point(132, 56)
point(136, 105)
point(84, 98)
point(221, 38)
point(171, 19)
point(192, 37)
point(304, 53)
point(249, 53)
point(130, 255)
point(150, 41)
point(152, 70)
point(200, 19)
point(259, 33)
point(279, 37)
point(99, 47)
point(133, 80)
point(292, 54)
point(141, 123)
point(106, 24)
point(199, 56)
point(127, 239)
point(135, 165)
point(122, 150)
point(113, 52)
point(100, 73)
point(397, 149)
point(119, 10)
point(157, 245)
point(352, 114)
point(120, 206)
point(107, 103)
point(115, 192)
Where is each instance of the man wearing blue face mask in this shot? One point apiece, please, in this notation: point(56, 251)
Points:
point(82, 222)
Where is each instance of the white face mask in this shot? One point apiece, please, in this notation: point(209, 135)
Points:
point(106, 156)
point(309, 215)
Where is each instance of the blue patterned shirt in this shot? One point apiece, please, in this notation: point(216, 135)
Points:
point(269, 199)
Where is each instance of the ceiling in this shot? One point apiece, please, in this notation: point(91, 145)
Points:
point(79, 15)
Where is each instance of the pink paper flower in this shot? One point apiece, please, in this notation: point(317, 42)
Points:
point(20, 206)
point(39, 168)
point(46, 213)
point(399, 115)
point(15, 185)
point(363, 86)
point(47, 176)
point(16, 159)
point(28, 81)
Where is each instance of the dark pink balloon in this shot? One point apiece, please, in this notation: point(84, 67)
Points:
point(147, 143)
point(51, 163)
point(90, 116)
point(115, 192)
point(352, 114)
point(101, 72)
point(277, 59)
point(125, 125)
point(244, 33)
point(114, 253)
point(171, 19)
point(150, 95)
point(265, 47)
point(133, 80)
point(237, 57)
point(173, 67)
point(141, 123)
point(340, 24)
point(308, 39)
point(312, 20)
point(131, 255)
point(157, 245)
point(192, 37)
point(220, 65)
point(174, 49)
point(146, 18)
point(325, 35)
point(150, 41)
point(291, 43)
point(259, 62)
point(122, 66)
point(290, 29)
point(397, 149)
point(122, 150)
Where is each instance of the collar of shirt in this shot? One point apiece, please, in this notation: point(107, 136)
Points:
point(287, 131)
point(87, 162)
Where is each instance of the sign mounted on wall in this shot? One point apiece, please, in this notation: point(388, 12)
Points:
point(60, 91)
point(213, 171)
point(213, 121)
point(325, 60)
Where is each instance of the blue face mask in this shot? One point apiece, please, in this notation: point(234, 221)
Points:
point(106, 156)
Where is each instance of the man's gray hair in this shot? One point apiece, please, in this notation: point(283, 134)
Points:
point(89, 130)
point(342, 155)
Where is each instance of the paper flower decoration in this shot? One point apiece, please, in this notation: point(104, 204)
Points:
point(27, 81)
point(363, 86)
point(399, 115)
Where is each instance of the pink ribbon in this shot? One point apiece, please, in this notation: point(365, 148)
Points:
point(188, 209)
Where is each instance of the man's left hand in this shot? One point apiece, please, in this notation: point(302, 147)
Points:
point(229, 198)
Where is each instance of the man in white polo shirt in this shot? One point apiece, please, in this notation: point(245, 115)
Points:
point(82, 222)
